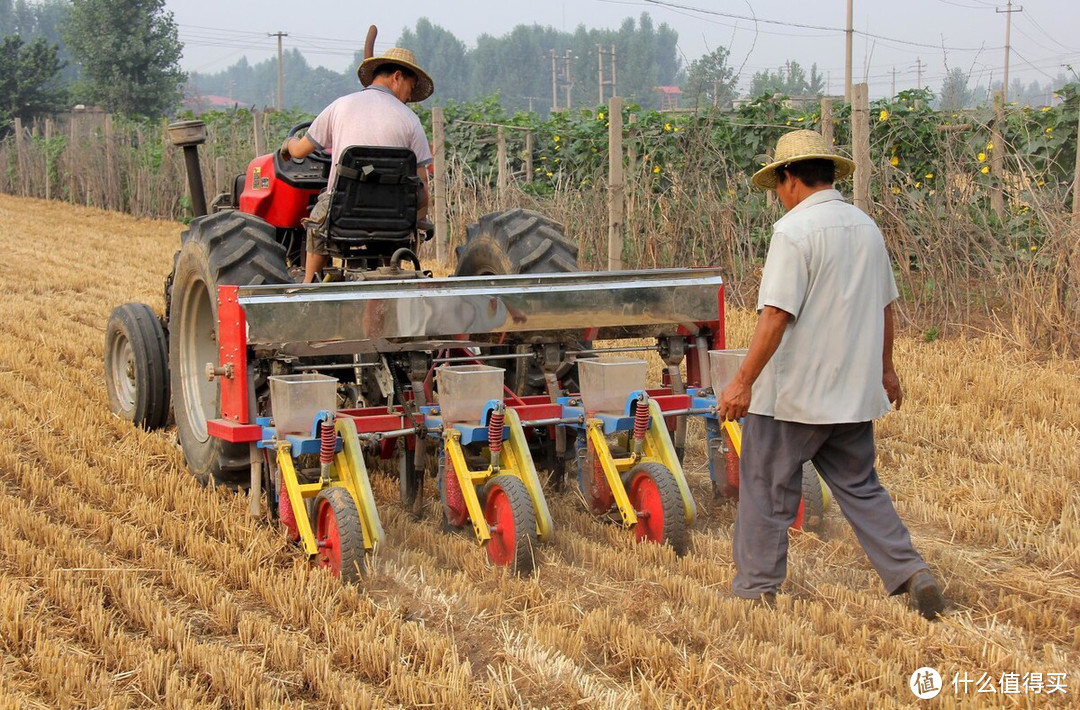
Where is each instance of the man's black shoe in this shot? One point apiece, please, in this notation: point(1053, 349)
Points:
point(926, 594)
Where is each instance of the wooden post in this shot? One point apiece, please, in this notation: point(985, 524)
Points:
point(20, 158)
point(500, 179)
point(1076, 183)
point(72, 151)
point(860, 144)
point(48, 177)
point(528, 156)
point(827, 121)
point(631, 157)
point(442, 228)
point(997, 197)
point(255, 128)
point(110, 170)
point(616, 184)
point(219, 172)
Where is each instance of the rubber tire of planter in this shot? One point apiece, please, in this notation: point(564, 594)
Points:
point(137, 366)
point(519, 241)
point(225, 248)
point(507, 502)
point(339, 534)
point(652, 487)
point(814, 501)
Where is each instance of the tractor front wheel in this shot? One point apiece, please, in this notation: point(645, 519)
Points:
point(511, 518)
point(654, 494)
point(137, 366)
point(338, 534)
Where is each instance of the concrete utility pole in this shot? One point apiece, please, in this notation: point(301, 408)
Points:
point(569, 83)
point(918, 70)
point(554, 84)
point(600, 73)
point(849, 32)
point(280, 71)
point(893, 83)
point(600, 54)
point(1008, 11)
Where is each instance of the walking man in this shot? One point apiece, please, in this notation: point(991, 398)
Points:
point(819, 370)
point(377, 115)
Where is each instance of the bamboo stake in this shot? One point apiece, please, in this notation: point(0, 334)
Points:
point(442, 229)
point(20, 157)
point(616, 184)
point(48, 177)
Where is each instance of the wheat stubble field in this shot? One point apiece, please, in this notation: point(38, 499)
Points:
point(125, 584)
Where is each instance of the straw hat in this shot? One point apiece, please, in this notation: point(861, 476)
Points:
point(396, 55)
point(801, 145)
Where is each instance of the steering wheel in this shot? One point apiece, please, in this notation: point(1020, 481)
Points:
point(319, 156)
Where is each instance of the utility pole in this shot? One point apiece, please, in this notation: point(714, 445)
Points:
point(849, 32)
point(1008, 11)
point(600, 72)
point(893, 94)
point(280, 72)
point(614, 86)
point(600, 54)
point(554, 84)
point(569, 83)
point(918, 70)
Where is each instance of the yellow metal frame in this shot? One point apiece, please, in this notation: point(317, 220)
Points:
point(735, 434)
point(657, 449)
point(515, 460)
point(347, 471)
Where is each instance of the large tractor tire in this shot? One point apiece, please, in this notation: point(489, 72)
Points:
point(519, 241)
point(137, 366)
point(226, 248)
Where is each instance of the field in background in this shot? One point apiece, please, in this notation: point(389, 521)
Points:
point(123, 583)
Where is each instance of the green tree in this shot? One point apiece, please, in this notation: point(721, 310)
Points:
point(441, 54)
point(789, 79)
point(130, 55)
point(29, 82)
point(955, 93)
point(710, 80)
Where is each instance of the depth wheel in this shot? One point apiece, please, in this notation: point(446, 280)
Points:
point(654, 493)
point(339, 534)
point(509, 513)
point(814, 503)
point(137, 366)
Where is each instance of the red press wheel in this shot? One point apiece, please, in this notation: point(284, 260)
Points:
point(285, 510)
point(654, 493)
point(509, 513)
point(815, 499)
point(338, 534)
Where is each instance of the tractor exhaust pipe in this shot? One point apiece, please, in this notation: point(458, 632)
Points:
point(369, 43)
point(189, 135)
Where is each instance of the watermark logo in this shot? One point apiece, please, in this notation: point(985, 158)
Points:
point(925, 683)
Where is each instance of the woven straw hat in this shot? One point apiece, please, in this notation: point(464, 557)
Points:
point(801, 145)
point(396, 55)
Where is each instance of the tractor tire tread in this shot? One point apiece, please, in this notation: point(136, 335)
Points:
point(675, 533)
point(150, 347)
point(524, 521)
point(350, 531)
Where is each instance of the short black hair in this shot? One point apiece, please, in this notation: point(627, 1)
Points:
point(389, 68)
point(814, 172)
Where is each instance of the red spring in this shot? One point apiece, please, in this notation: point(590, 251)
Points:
point(327, 441)
point(641, 419)
point(495, 431)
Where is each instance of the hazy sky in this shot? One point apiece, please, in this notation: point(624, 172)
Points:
point(216, 33)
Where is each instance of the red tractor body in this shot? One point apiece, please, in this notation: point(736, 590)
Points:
point(283, 198)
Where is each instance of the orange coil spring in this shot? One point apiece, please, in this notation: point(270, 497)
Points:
point(495, 431)
point(641, 420)
point(327, 441)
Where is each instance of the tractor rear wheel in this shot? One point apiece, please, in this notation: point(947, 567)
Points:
point(510, 515)
point(519, 241)
point(654, 493)
point(339, 534)
point(137, 366)
point(226, 248)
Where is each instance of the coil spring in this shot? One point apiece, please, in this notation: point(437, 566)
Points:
point(641, 419)
point(495, 430)
point(327, 441)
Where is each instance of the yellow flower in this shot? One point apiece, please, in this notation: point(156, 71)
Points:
point(981, 157)
point(600, 116)
point(894, 161)
point(667, 126)
point(1040, 183)
point(929, 176)
point(896, 191)
point(556, 160)
point(918, 184)
point(556, 139)
point(800, 119)
point(656, 169)
point(883, 116)
point(550, 173)
point(675, 129)
point(1034, 248)
point(989, 146)
point(543, 157)
point(1044, 109)
point(789, 123)
point(985, 169)
point(1049, 130)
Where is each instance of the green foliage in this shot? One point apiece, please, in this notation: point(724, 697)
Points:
point(29, 83)
point(130, 55)
point(790, 79)
point(710, 80)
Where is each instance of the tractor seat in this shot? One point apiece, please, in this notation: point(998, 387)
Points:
point(374, 200)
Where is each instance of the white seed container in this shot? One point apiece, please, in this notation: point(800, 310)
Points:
point(606, 382)
point(723, 364)
point(465, 389)
point(296, 399)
